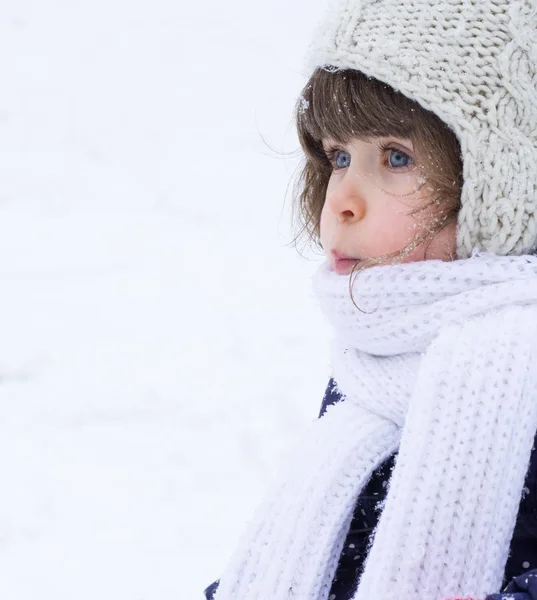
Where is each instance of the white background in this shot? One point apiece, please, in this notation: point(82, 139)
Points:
point(160, 347)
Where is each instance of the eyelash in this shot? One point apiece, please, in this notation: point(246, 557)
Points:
point(331, 152)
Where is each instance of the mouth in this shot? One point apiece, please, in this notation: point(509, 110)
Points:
point(342, 263)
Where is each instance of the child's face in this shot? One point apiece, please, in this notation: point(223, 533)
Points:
point(370, 193)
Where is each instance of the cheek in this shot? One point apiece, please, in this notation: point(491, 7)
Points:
point(325, 225)
point(391, 223)
point(326, 229)
point(446, 241)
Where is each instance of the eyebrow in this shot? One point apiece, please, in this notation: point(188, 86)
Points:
point(370, 140)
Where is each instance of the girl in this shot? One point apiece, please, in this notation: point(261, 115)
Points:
point(419, 129)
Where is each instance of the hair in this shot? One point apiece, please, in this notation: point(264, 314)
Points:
point(342, 104)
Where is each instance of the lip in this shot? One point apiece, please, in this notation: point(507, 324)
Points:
point(343, 264)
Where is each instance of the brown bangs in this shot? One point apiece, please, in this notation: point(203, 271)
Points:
point(346, 104)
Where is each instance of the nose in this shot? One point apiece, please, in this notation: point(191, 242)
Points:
point(346, 200)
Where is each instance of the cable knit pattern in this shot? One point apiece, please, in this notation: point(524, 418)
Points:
point(418, 375)
point(473, 64)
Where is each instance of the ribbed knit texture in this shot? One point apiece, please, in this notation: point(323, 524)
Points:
point(444, 371)
point(473, 64)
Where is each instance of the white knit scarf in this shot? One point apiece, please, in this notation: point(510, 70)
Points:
point(441, 368)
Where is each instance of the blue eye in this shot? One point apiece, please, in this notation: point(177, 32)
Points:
point(342, 159)
point(392, 158)
point(398, 154)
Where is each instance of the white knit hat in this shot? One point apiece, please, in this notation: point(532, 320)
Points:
point(474, 64)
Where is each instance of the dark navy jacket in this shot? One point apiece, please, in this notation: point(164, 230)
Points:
point(520, 577)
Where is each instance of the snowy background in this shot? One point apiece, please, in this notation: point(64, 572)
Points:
point(160, 345)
